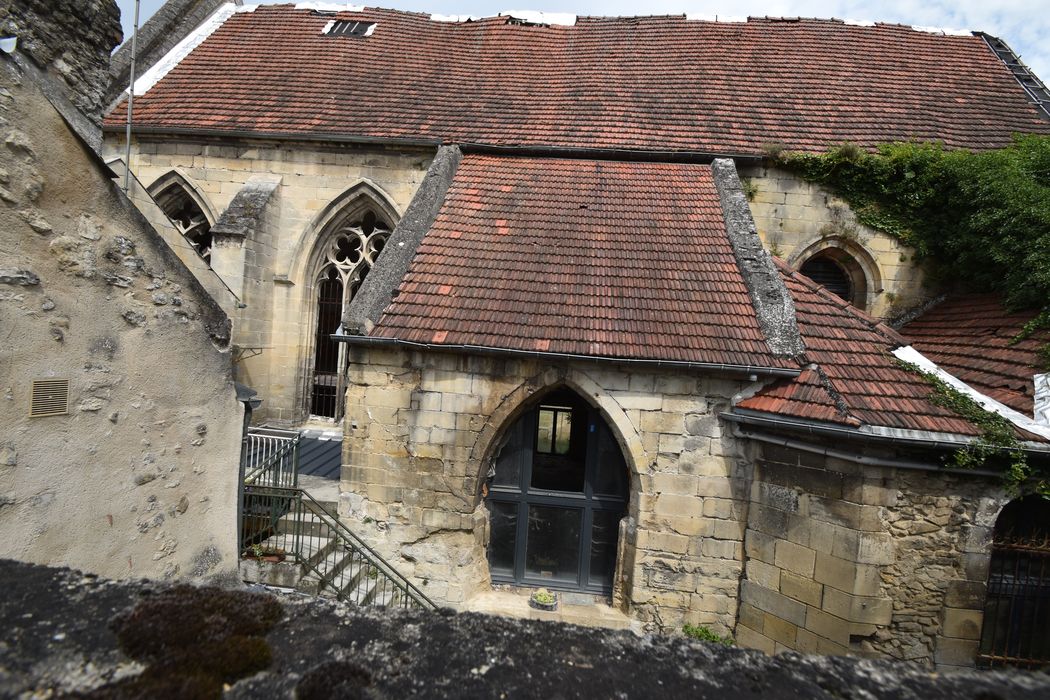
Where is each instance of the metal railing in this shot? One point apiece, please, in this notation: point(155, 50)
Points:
point(289, 522)
point(1017, 607)
point(270, 457)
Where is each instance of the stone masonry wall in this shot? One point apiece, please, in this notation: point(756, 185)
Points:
point(70, 39)
point(796, 219)
point(844, 558)
point(814, 546)
point(420, 428)
point(312, 177)
point(139, 477)
point(941, 527)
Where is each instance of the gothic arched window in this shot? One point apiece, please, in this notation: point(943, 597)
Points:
point(177, 201)
point(350, 253)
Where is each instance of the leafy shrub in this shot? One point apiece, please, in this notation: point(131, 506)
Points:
point(703, 634)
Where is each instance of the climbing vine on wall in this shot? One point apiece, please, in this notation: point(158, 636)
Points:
point(977, 220)
point(997, 437)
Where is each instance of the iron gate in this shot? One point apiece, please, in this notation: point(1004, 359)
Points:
point(1016, 630)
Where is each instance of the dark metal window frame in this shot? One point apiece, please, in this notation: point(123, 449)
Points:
point(586, 503)
point(1017, 607)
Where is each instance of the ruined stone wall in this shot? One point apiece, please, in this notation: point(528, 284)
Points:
point(278, 268)
point(844, 558)
point(941, 526)
point(70, 39)
point(420, 428)
point(797, 219)
point(139, 478)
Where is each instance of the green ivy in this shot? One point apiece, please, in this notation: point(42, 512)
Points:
point(704, 634)
point(997, 437)
point(976, 220)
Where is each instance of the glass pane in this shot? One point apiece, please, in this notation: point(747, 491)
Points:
point(611, 477)
point(554, 473)
point(508, 461)
point(545, 431)
point(604, 534)
point(503, 527)
point(553, 548)
point(562, 432)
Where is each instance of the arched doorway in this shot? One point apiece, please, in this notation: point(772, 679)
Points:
point(351, 251)
point(556, 494)
point(1017, 607)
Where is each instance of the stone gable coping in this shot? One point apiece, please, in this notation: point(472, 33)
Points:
point(381, 284)
point(769, 296)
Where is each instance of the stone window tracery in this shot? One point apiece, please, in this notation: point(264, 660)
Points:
point(348, 256)
point(353, 251)
point(188, 217)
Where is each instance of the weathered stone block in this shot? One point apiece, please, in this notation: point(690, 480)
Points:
point(847, 576)
point(773, 602)
point(671, 444)
point(863, 609)
point(722, 549)
point(719, 508)
point(968, 595)
point(679, 484)
point(962, 624)
point(765, 575)
point(828, 626)
point(759, 545)
point(795, 558)
point(659, 422)
point(801, 588)
point(750, 639)
point(682, 506)
point(750, 616)
point(955, 652)
point(780, 630)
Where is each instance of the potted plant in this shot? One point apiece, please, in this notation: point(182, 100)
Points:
point(542, 599)
point(269, 554)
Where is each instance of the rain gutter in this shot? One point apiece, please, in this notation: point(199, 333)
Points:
point(917, 438)
point(748, 370)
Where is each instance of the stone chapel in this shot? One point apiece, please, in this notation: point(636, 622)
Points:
point(578, 331)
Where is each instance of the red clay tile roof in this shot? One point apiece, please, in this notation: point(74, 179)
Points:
point(864, 384)
point(969, 336)
point(638, 83)
point(599, 258)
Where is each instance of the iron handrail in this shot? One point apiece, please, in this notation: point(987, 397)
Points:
point(299, 502)
point(271, 466)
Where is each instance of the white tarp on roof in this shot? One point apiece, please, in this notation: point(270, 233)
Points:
point(913, 356)
point(182, 49)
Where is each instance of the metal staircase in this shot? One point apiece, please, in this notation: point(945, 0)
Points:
point(290, 539)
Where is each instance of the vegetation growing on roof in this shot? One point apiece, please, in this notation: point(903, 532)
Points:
point(978, 220)
point(997, 438)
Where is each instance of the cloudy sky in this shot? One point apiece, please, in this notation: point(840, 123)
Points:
point(1019, 22)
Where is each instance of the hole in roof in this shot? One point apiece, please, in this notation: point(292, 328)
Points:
point(349, 27)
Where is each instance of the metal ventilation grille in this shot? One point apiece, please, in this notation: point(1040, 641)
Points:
point(50, 398)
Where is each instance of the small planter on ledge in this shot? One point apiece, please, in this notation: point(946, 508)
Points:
point(542, 599)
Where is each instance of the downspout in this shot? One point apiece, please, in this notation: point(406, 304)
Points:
point(131, 101)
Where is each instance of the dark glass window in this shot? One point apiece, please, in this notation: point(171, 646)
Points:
point(556, 496)
point(829, 275)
